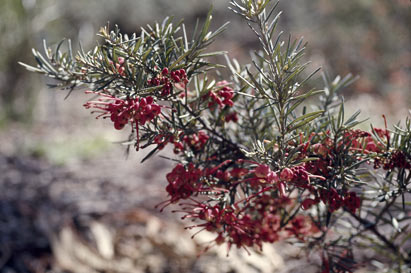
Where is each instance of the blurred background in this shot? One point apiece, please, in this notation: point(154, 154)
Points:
point(70, 201)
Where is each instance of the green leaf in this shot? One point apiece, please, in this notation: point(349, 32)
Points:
point(257, 85)
point(310, 93)
point(211, 54)
point(31, 68)
point(150, 154)
point(175, 63)
point(352, 118)
point(44, 63)
point(303, 120)
point(218, 31)
point(247, 82)
point(206, 25)
point(301, 98)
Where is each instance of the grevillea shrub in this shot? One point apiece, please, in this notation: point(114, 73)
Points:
point(260, 156)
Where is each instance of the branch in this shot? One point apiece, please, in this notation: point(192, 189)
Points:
point(373, 228)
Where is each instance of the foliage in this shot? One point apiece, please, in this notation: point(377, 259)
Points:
point(256, 161)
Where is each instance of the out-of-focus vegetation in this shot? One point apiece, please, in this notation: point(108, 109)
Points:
point(367, 38)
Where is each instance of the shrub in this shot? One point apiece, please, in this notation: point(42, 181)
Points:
point(260, 157)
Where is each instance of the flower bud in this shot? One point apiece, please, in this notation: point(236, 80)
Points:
point(287, 174)
point(307, 203)
point(262, 171)
point(147, 109)
point(272, 177)
point(371, 146)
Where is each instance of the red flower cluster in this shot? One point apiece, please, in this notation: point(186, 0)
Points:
point(223, 96)
point(186, 181)
point(335, 201)
point(122, 111)
point(118, 67)
point(257, 218)
point(255, 224)
point(355, 141)
point(263, 175)
point(137, 111)
point(194, 141)
point(351, 201)
point(162, 139)
point(183, 182)
point(301, 226)
point(363, 142)
point(301, 177)
point(397, 159)
point(231, 117)
point(167, 79)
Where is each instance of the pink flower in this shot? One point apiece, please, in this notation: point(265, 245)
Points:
point(308, 203)
point(287, 174)
point(263, 171)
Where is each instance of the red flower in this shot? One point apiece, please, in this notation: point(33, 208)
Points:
point(167, 79)
point(300, 227)
point(119, 68)
point(352, 202)
point(320, 149)
point(308, 203)
point(231, 117)
point(183, 182)
point(263, 174)
point(136, 111)
point(286, 174)
point(196, 141)
point(333, 199)
point(222, 96)
point(238, 172)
